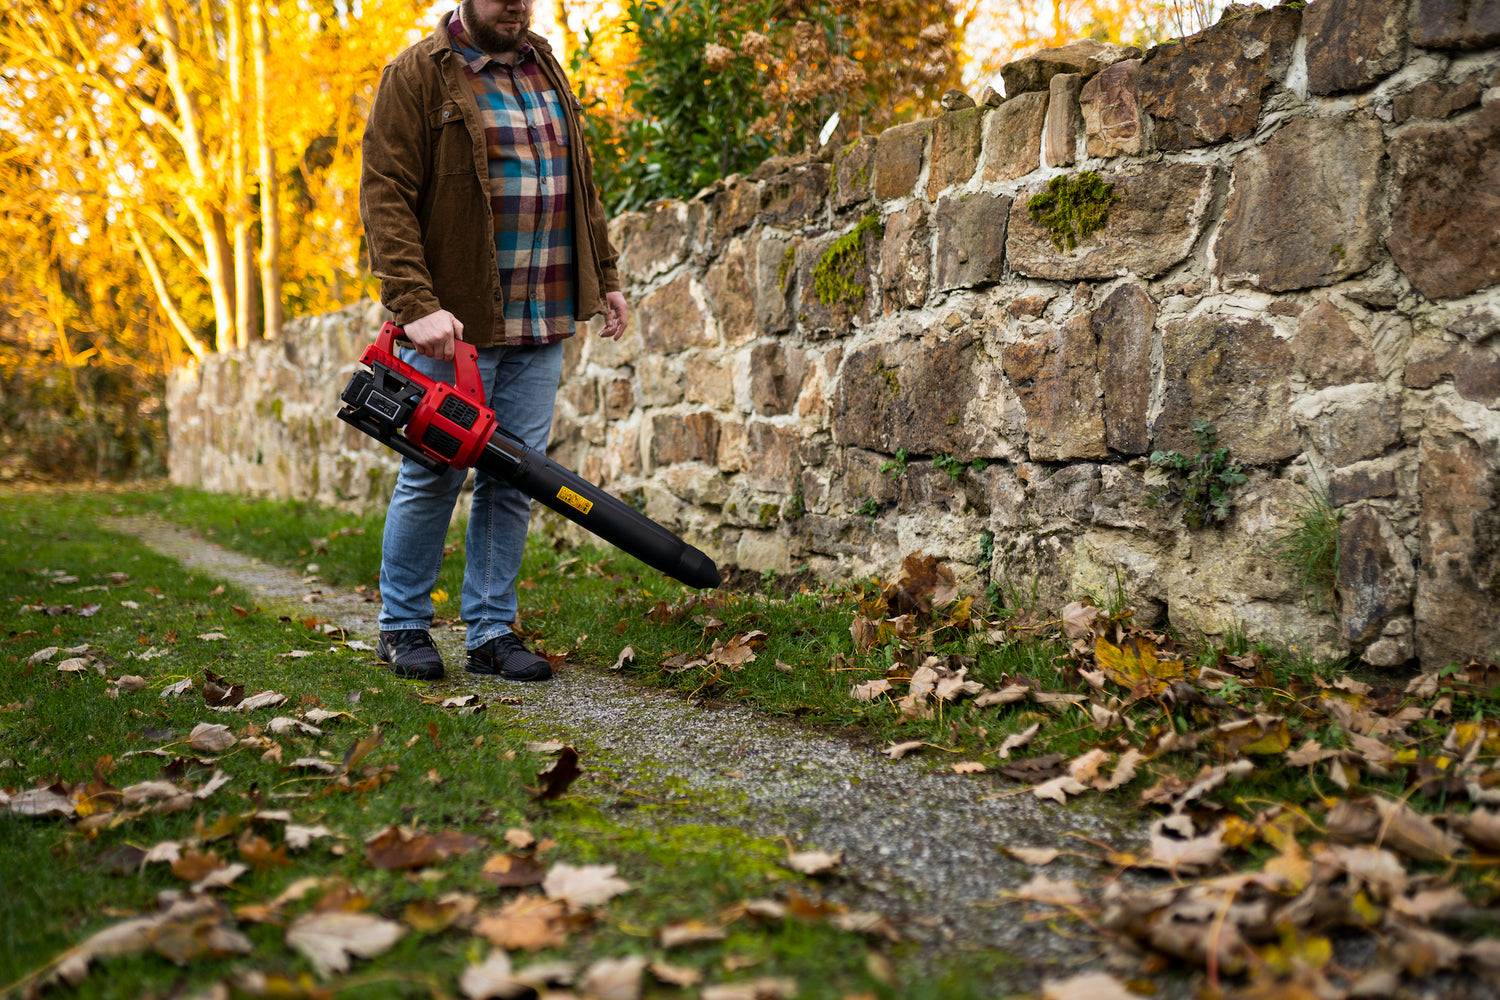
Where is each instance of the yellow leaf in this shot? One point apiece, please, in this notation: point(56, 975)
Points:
point(1296, 953)
point(1238, 832)
point(1366, 909)
point(439, 596)
point(1134, 665)
point(362, 749)
point(1275, 739)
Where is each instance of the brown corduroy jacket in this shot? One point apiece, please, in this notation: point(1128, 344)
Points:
point(424, 195)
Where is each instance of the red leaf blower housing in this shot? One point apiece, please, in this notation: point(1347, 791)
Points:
point(449, 425)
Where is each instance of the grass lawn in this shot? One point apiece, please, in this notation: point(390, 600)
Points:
point(461, 846)
point(1266, 778)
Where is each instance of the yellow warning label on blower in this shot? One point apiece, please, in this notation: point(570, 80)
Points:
point(572, 499)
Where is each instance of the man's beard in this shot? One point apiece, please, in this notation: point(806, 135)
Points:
point(485, 36)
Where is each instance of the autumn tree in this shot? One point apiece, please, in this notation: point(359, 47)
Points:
point(176, 176)
point(683, 92)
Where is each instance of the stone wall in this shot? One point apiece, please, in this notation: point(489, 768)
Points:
point(1305, 253)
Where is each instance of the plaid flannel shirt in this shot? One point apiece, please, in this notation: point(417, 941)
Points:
point(526, 135)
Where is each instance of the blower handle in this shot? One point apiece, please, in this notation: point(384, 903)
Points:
point(465, 362)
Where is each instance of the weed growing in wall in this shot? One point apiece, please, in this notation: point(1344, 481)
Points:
point(1202, 482)
point(1072, 208)
point(896, 467)
point(1310, 547)
point(955, 467)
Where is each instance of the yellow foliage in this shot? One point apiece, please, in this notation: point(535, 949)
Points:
point(1135, 667)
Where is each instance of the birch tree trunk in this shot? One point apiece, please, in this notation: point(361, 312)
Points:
point(216, 251)
point(270, 216)
point(240, 214)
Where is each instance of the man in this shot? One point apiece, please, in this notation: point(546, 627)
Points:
point(484, 225)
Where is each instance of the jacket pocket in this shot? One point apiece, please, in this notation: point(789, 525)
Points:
point(452, 151)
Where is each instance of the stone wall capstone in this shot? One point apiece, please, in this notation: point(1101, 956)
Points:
point(1305, 253)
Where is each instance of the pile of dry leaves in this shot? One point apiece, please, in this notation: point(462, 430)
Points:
point(1390, 835)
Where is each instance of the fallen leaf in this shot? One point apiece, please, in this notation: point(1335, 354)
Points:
point(1059, 788)
point(259, 854)
point(1310, 752)
point(583, 886)
point(1134, 666)
point(870, 690)
point(186, 929)
point(512, 870)
point(1372, 868)
point(492, 979)
point(814, 862)
point(299, 837)
point(613, 979)
point(208, 737)
point(1078, 619)
point(689, 932)
point(1177, 847)
point(41, 802)
point(1017, 741)
point(1035, 856)
point(555, 779)
point(1054, 892)
point(432, 916)
point(262, 699)
point(362, 749)
point(898, 750)
point(394, 849)
point(1007, 695)
point(1087, 986)
point(521, 840)
point(283, 724)
point(314, 764)
point(526, 922)
point(675, 975)
point(969, 767)
point(1085, 767)
point(762, 988)
point(1124, 772)
point(220, 878)
point(182, 687)
point(331, 940)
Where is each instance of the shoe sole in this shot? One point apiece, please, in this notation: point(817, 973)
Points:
point(415, 673)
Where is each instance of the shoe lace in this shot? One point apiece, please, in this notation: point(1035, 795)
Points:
point(411, 637)
point(509, 642)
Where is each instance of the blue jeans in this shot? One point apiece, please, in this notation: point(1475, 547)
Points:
point(520, 384)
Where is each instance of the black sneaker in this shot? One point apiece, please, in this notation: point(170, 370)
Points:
point(410, 653)
point(504, 656)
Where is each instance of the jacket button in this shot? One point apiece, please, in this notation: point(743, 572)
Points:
point(448, 114)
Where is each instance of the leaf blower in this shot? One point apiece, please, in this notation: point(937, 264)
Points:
point(449, 425)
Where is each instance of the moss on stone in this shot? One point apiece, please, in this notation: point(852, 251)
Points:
point(1072, 208)
point(833, 277)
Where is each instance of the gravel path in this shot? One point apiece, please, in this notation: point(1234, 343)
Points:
point(921, 844)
